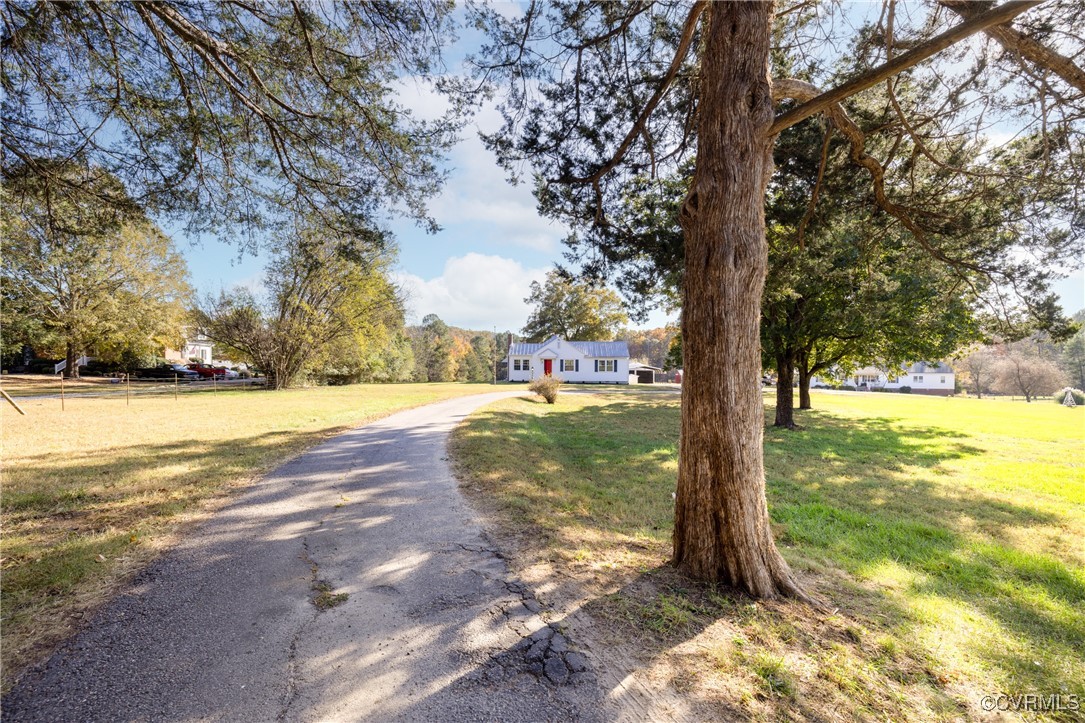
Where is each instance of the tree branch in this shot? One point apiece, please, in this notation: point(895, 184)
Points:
point(1021, 44)
point(672, 72)
point(921, 52)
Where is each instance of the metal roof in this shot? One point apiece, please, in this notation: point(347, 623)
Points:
point(593, 349)
point(928, 367)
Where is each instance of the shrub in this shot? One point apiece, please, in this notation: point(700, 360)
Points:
point(905, 389)
point(547, 388)
point(1077, 394)
point(848, 387)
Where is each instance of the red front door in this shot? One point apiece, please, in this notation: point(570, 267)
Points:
point(548, 366)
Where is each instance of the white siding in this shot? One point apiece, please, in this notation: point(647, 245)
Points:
point(560, 350)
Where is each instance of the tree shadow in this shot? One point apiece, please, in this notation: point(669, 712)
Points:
point(848, 498)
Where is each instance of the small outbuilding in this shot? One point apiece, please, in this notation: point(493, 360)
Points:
point(643, 373)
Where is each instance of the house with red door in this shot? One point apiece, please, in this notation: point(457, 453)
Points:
point(578, 362)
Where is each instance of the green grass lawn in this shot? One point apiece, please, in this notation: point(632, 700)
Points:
point(950, 533)
point(93, 492)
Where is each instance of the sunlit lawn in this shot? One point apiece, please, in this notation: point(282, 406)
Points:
point(950, 533)
point(90, 493)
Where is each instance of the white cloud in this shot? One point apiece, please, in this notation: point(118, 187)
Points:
point(478, 190)
point(475, 291)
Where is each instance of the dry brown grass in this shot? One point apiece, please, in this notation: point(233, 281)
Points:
point(92, 493)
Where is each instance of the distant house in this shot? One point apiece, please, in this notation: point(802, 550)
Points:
point(579, 362)
point(196, 346)
point(923, 378)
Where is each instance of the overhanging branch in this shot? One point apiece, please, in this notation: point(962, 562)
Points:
point(1022, 45)
point(916, 55)
point(638, 127)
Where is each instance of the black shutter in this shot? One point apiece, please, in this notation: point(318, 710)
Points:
point(576, 365)
point(597, 366)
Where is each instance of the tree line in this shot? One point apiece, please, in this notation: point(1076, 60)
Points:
point(1032, 367)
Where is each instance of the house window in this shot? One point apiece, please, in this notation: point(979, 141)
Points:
point(917, 377)
point(606, 365)
point(943, 380)
point(569, 365)
point(516, 365)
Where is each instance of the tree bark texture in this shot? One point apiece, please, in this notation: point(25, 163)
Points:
point(785, 394)
point(71, 370)
point(722, 531)
point(802, 361)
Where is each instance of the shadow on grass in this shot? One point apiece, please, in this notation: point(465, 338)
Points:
point(64, 518)
point(857, 494)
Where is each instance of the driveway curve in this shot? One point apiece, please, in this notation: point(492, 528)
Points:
point(353, 583)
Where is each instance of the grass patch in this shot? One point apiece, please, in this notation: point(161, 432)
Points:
point(948, 531)
point(774, 674)
point(324, 597)
point(92, 493)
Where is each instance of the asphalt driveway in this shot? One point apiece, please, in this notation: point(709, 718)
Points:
point(353, 583)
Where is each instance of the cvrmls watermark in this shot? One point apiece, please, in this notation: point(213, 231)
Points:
point(1031, 702)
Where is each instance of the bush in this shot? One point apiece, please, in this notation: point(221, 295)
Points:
point(848, 387)
point(905, 390)
point(547, 388)
point(1078, 395)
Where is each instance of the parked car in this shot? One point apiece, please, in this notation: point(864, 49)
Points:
point(232, 373)
point(166, 371)
point(206, 371)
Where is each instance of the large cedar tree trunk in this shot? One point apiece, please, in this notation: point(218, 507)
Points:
point(721, 530)
point(785, 393)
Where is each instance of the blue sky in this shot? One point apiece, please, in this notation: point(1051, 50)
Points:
point(476, 271)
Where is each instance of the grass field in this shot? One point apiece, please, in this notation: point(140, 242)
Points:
point(949, 533)
point(92, 493)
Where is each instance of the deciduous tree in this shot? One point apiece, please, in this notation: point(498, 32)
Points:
point(80, 277)
point(979, 367)
point(1020, 371)
point(319, 291)
point(572, 310)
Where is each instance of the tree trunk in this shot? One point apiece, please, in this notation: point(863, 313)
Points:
point(785, 393)
point(721, 526)
point(802, 361)
point(71, 370)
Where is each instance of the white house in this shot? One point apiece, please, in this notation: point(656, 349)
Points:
point(579, 362)
point(922, 377)
point(196, 346)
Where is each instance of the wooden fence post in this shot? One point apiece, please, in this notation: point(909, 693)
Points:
point(12, 402)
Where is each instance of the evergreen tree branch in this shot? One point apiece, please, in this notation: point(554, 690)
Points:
point(1003, 13)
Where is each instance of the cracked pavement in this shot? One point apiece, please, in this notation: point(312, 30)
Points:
point(227, 625)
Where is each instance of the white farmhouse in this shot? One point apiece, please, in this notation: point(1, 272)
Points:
point(579, 362)
point(195, 346)
point(922, 377)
